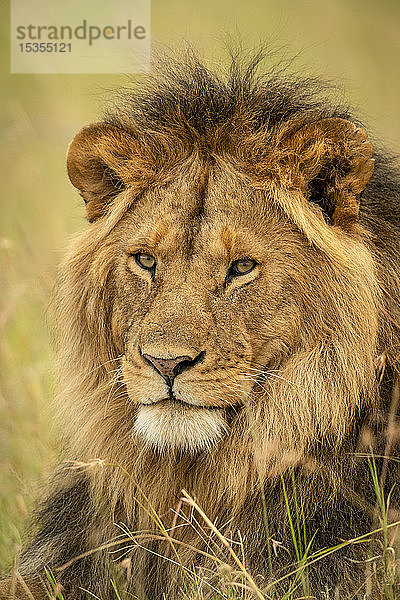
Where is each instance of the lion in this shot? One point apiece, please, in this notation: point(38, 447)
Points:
point(228, 342)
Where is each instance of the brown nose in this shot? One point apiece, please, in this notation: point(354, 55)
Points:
point(169, 368)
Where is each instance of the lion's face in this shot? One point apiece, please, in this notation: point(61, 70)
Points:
point(206, 299)
point(230, 288)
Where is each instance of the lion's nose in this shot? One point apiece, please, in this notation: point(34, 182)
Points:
point(169, 368)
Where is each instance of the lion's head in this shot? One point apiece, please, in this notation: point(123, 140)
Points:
point(225, 293)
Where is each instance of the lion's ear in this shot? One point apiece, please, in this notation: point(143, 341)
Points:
point(333, 158)
point(99, 161)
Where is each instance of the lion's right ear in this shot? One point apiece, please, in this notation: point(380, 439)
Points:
point(99, 164)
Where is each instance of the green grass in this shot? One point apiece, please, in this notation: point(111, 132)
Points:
point(354, 43)
point(231, 580)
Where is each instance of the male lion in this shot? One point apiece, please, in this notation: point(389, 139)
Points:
point(229, 326)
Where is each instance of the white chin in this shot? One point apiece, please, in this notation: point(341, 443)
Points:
point(172, 426)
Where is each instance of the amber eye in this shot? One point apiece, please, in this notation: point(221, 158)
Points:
point(146, 261)
point(243, 266)
point(238, 268)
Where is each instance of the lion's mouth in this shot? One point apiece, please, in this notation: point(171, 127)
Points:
point(172, 400)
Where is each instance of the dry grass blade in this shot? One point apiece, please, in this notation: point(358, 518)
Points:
point(252, 584)
point(24, 586)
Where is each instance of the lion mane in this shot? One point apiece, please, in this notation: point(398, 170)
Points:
point(288, 370)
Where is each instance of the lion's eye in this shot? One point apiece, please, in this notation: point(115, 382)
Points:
point(239, 267)
point(146, 261)
point(242, 267)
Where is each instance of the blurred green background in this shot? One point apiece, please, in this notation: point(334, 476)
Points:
point(353, 42)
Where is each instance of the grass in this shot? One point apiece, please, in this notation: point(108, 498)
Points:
point(230, 579)
point(39, 209)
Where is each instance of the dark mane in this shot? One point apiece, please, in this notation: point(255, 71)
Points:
point(187, 96)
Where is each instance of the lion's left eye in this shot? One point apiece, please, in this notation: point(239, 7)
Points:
point(240, 267)
point(146, 261)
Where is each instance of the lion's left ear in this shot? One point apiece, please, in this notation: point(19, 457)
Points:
point(333, 159)
point(99, 164)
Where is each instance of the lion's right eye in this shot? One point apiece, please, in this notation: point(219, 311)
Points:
point(146, 261)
